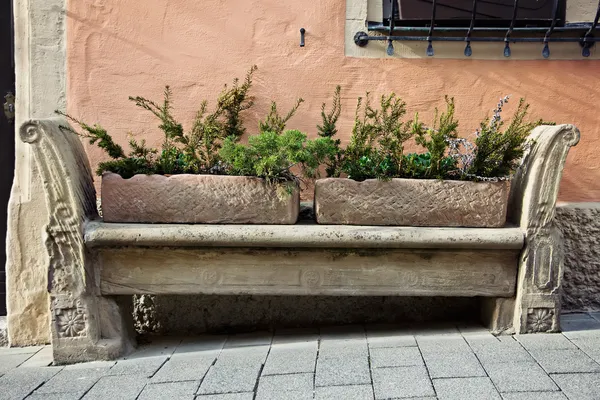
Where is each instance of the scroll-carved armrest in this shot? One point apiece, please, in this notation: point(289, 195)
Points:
point(84, 325)
point(532, 204)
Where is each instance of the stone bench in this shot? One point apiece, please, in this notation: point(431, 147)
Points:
point(95, 267)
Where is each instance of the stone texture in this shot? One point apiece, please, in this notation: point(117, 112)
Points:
point(579, 386)
point(401, 382)
point(73, 381)
point(453, 365)
point(116, 387)
point(140, 367)
point(465, 389)
point(520, 377)
point(291, 358)
point(191, 368)
point(580, 226)
point(343, 363)
point(356, 392)
point(285, 387)
point(395, 357)
point(412, 202)
point(534, 396)
point(208, 199)
point(18, 383)
point(3, 332)
point(169, 391)
point(565, 361)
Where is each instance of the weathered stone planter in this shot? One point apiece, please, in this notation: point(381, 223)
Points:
point(205, 199)
point(411, 202)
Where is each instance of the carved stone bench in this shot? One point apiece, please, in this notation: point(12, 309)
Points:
point(95, 267)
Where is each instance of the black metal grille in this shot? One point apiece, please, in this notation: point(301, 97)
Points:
point(581, 33)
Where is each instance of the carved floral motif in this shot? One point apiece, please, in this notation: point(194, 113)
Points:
point(539, 319)
point(70, 322)
point(311, 278)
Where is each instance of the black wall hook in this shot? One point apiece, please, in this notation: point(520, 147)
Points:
point(302, 32)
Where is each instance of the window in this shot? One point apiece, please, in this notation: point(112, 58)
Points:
point(498, 13)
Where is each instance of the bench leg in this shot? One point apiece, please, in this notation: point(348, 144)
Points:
point(91, 328)
point(497, 314)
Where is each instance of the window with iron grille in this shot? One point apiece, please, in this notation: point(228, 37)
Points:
point(508, 21)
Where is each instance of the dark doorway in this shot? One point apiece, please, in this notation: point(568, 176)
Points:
point(7, 134)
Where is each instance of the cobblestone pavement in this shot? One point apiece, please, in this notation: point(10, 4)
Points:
point(339, 363)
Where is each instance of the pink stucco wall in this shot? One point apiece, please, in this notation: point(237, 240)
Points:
point(121, 48)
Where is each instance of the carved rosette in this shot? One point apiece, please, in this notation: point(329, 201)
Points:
point(539, 320)
point(310, 278)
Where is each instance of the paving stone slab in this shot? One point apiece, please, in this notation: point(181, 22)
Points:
point(379, 336)
point(565, 361)
point(465, 389)
point(550, 341)
point(342, 332)
point(342, 368)
point(590, 346)
point(401, 382)
point(534, 396)
point(520, 377)
point(8, 362)
point(453, 365)
point(249, 339)
point(231, 376)
point(228, 396)
point(595, 315)
point(18, 383)
point(395, 357)
point(355, 392)
point(199, 346)
point(145, 367)
point(291, 358)
point(580, 325)
point(293, 386)
point(117, 387)
point(42, 358)
point(91, 365)
point(248, 355)
point(170, 391)
point(184, 369)
point(9, 351)
point(575, 316)
point(53, 396)
point(77, 381)
point(579, 386)
point(501, 352)
point(443, 344)
point(156, 347)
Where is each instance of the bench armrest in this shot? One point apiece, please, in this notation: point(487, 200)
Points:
point(534, 189)
point(531, 205)
point(81, 327)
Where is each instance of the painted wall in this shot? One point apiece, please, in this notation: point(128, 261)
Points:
point(116, 49)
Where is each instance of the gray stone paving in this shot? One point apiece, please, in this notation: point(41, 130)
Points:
point(378, 362)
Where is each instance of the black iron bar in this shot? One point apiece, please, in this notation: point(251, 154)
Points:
point(468, 50)
point(508, 33)
point(385, 29)
point(430, 45)
point(585, 51)
point(476, 39)
point(546, 50)
point(390, 47)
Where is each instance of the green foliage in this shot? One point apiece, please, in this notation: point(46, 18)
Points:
point(272, 156)
point(376, 144)
point(275, 122)
point(194, 152)
point(328, 130)
point(435, 140)
point(498, 151)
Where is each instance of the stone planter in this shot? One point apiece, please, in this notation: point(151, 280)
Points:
point(411, 202)
point(196, 199)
